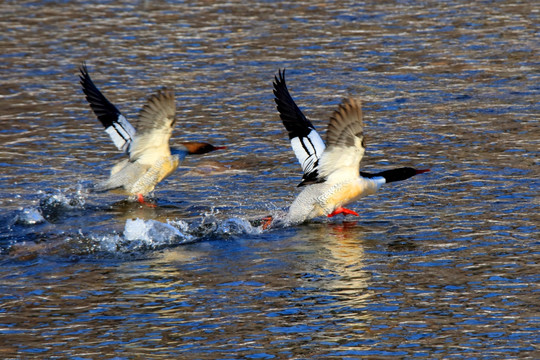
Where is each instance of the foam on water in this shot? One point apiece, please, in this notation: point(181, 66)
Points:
point(54, 206)
point(53, 227)
point(211, 226)
point(141, 235)
point(152, 233)
point(29, 216)
point(138, 236)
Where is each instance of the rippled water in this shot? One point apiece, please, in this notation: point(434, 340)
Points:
point(443, 265)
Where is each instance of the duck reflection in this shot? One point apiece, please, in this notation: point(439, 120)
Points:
point(240, 288)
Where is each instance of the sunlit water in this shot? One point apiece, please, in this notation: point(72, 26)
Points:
point(443, 265)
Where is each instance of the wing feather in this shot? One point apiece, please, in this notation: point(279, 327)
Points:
point(116, 125)
point(307, 144)
point(154, 128)
point(345, 139)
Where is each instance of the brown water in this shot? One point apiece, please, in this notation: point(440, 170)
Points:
point(443, 265)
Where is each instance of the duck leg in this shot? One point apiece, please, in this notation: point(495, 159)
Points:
point(140, 200)
point(344, 211)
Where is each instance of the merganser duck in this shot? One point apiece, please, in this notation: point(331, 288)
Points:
point(332, 176)
point(150, 159)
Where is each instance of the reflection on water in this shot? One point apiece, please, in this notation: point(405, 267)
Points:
point(440, 266)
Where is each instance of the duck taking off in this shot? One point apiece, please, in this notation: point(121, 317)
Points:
point(332, 177)
point(147, 144)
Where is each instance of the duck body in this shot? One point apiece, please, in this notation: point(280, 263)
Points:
point(325, 198)
point(332, 177)
point(150, 158)
point(134, 178)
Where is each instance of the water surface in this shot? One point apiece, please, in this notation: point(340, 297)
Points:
point(443, 265)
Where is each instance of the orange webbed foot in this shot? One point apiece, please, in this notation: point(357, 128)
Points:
point(344, 211)
point(266, 222)
point(140, 200)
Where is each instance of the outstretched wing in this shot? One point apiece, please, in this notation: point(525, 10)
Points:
point(116, 125)
point(154, 128)
point(345, 140)
point(306, 142)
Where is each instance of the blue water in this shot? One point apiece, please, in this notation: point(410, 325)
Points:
point(443, 265)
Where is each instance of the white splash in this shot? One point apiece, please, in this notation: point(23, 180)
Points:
point(142, 235)
point(152, 233)
point(30, 216)
point(237, 226)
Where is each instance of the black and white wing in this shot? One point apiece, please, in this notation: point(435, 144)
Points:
point(345, 140)
point(308, 146)
point(116, 125)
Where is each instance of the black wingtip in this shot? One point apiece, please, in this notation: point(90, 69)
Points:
point(83, 70)
point(281, 74)
point(293, 119)
point(105, 111)
point(279, 85)
point(85, 80)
